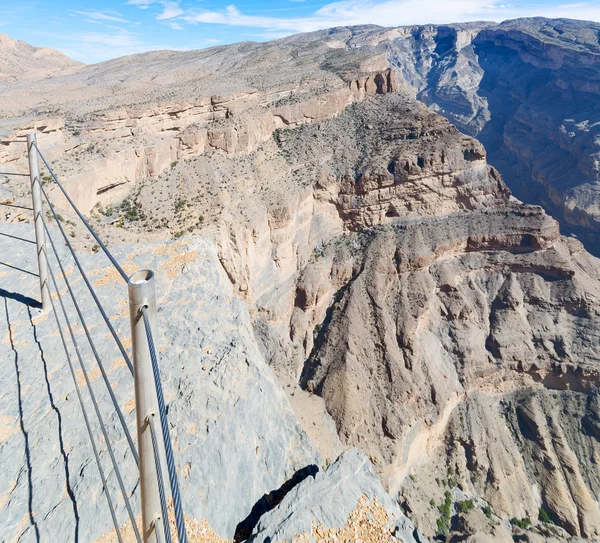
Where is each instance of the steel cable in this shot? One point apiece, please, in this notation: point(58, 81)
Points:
point(179, 519)
point(88, 284)
point(16, 206)
point(98, 415)
point(161, 481)
point(85, 417)
point(98, 240)
point(96, 355)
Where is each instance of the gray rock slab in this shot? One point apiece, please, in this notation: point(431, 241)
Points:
point(234, 434)
point(328, 499)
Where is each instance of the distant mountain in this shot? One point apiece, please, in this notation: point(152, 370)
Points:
point(19, 60)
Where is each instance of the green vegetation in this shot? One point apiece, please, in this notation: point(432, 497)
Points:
point(521, 523)
point(130, 211)
point(95, 248)
point(487, 511)
point(544, 517)
point(443, 522)
point(466, 505)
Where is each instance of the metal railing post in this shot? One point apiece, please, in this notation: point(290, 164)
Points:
point(38, 218)
point(142, 294)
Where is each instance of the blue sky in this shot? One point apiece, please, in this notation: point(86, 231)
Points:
point(96, 30)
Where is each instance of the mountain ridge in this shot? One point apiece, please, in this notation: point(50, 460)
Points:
point(21, 61)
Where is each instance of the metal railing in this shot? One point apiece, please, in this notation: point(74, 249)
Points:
point(154, 447)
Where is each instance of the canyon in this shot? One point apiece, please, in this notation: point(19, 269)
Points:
point(357, 260)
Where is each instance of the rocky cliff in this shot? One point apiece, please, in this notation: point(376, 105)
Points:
point(354, 256)
point(528, 89)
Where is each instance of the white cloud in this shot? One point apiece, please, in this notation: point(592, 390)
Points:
point(391, 13)
point(171, 8)
point(101, 16)
point(174, 25)
point(143, 4)
point(170, 11)
point(91, 47)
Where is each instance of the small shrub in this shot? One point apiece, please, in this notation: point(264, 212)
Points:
point(95, 248)
point(487, 511)
point(443, 522)
point(523, 523)
point(442, 528)
point(132, 214)
point(544, 517)
point(465, 506)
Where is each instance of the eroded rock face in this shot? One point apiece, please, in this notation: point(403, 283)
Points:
point(528, 89)
point(461, 289)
